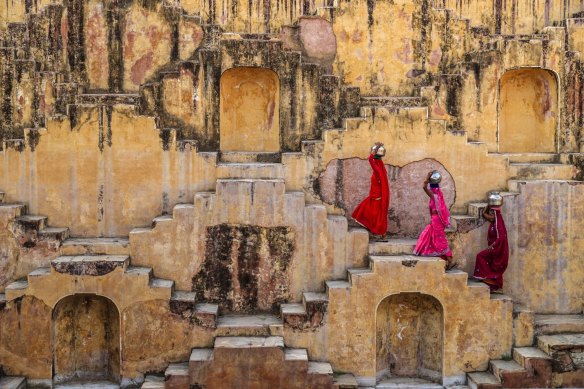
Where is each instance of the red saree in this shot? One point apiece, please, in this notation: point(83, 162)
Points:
point(372, 212)
point(492, 262)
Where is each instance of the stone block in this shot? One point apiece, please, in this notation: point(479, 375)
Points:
point(89, 265)
point(523, 326)
point(177, 376)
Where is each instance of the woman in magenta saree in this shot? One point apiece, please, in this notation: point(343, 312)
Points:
point(432, 241)
point(492, 262)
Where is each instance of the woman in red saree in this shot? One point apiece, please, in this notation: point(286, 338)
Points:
point(432, 241)
point(492, 262)
point(371, 213)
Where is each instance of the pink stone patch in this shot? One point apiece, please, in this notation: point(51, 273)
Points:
point(319, 44)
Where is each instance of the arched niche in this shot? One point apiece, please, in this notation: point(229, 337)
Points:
point(528, 111)
point(86, 339)
point(249, 106)
point(409, 337)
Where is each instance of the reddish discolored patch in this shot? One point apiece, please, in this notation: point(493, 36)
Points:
point(140, 68)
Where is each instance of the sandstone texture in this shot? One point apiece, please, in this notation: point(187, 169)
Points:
point(177, 181)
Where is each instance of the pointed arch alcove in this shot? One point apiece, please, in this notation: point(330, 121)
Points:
point(86, 339)
point(409, 337)
point(528, 111)
point(249, 106)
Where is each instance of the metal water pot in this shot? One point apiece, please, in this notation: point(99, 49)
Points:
point(435, 177)
point(378, 150)
point(495, 199)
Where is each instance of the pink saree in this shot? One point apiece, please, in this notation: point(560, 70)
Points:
point(432, 241)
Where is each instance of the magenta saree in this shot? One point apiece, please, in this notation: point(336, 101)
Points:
point(432, 241)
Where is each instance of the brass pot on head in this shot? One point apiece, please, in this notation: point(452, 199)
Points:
point(495, 199)
point(435, 177)
point(378, 150)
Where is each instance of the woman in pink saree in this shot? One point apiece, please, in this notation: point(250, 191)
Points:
point(432, 241)
point(492, 262)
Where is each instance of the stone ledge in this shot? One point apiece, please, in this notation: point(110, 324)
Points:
point(89, 265)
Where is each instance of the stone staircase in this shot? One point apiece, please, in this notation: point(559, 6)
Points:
point(554, 360)
point(86, 263)
point(13, 383)
point(231, 357)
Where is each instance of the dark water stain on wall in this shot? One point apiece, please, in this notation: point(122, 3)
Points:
point(245, 267)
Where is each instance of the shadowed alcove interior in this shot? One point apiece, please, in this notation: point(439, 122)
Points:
point(410, 333)
point(86, 339)
point(250, 101)
point(528, 110)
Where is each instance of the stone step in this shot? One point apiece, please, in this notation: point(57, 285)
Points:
point(249, 157)
point(499, 366)
point(177, 375)
point(15, 289)
point(483, 380)
point(108, 98)
point(38, 273)
point(183, 303)
point(320, 368)
point(140, 271)
point(501, 297)
point(13, 210)
point(561, 342)
point(393, 101)
point(515, 184)
point(296, 355)
point(12, 383)
point(541, 171)
point(153, 382)
point(293, 315)
point(476, 209)
point(95, 246)
point(537, 374)
point(407, 383)
point(358, 272)
point(162, 284)
point(345, 381)
point(523, 355)
point(527, 157)
point(247, 325)
point(409, 261)
point(479, 288)
point(558, 324)
point(335, 285)
point(206, 314)
point(392, 247)
point(247, 342)
point(89, 265)
point(32, 222)
point(465, 223)
point(56, 233)
point(250, 170)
